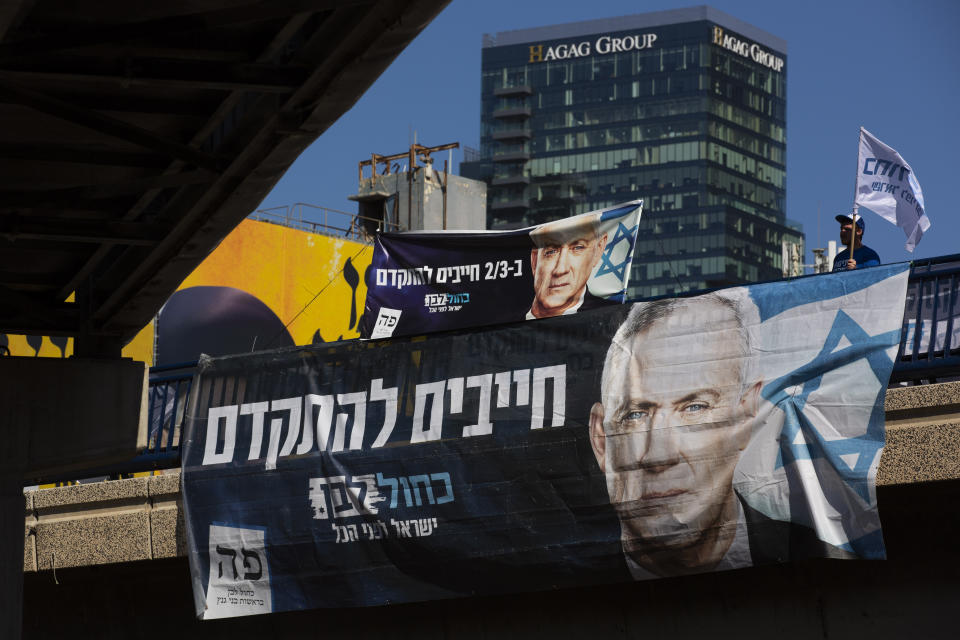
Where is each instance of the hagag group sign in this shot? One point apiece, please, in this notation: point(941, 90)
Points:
point(602, 46)
point(635, 441)
point(746, 49)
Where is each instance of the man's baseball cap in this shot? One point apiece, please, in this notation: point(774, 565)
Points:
point(845, 219)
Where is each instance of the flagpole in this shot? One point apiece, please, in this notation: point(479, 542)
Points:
point(853, 233)
point(856, 207)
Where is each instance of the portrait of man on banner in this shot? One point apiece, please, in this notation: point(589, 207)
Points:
point(565, 255)
point(685, 395)
point(668, 433)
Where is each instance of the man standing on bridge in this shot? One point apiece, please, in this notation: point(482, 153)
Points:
point(862, 256)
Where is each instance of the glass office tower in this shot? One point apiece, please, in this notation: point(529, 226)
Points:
point(685, 109)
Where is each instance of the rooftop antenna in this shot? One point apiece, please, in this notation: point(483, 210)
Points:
point(818, 223)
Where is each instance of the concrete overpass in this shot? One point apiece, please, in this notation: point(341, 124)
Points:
point(136, 135)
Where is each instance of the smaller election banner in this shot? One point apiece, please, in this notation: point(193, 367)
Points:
point(888, 186)
point(435, 281)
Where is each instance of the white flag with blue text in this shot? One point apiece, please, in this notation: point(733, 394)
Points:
point(887, 185)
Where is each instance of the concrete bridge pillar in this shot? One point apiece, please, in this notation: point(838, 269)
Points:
point(57, 415)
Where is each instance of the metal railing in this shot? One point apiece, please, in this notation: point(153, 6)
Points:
point(928, 355)
point(169, 390)
point(323, 220)
point(930, 339)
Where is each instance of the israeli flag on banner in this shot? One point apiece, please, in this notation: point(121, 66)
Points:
point(824, 348)
point(888, 186)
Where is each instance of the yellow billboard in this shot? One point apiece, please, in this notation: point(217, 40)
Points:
point(265, 286)
point(140, 348)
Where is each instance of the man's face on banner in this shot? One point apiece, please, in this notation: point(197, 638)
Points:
point(561, 267)
point(672, 429)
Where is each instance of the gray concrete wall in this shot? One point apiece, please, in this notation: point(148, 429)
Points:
point(423, 209)
point(104, 523)
point(466, 204)
point(923, 434)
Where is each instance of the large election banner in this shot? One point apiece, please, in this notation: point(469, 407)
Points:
point(657, 439)
point(434, 281)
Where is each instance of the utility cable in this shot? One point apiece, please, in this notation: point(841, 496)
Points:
point(673, 269)
point(299, 313)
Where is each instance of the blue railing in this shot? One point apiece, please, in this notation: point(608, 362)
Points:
point(169, 389)
point(928, 355)
point(931, 353)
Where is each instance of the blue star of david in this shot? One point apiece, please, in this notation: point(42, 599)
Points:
point(810, 375)
point(606, 260)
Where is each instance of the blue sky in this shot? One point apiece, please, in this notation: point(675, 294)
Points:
point(892, 67)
